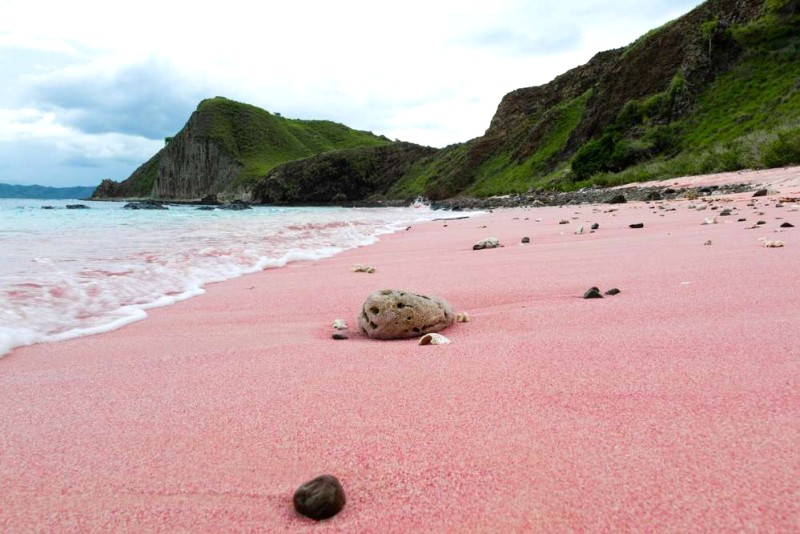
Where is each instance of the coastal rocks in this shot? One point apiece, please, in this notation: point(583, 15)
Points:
point(236, 205)
point(787, 225)
point(320, 498)
point(77, 207)
point(144, 205)
point(393, 314)
point(489, 242)
point(617, 199)
point(760, 193)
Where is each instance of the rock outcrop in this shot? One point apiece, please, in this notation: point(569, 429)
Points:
point(393, 314)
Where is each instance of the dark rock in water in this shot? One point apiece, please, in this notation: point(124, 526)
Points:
point(392, 314)
point(787, 225)
point(526, 239)
point(206, 208)
point(653, 195)
point(144, 205)
point(236, 205)
point(636, 225)
point(320, 498)
point(617, 199)
point(760, 193)
point(77, 207)
point(761, 222)
point(595, 226)
point(592, 293)
point(339, 336)
point(48, 207)
point(210, 200)
point(613, 291)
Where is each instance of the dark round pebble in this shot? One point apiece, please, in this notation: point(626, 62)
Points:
point(761, 222)
point(741, 220)
point(320, 498)
point(592, 293)
point(637, 225)
point(613, 291)
point(339, 336)
point(595, 226)
point(526, 239)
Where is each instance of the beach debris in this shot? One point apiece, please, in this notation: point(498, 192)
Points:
point(320, 498)
point(358, 268)
point(636, 225)
point(489, 242)
point(433, 339)
point(526, 239)
point(339, 336)
point(760, 193)
point(563, 221)
point(395, 314)
point(579, 230)
point(462, 317)
point(751, 227)
point(339, 324)
point(595, 226)
point(787, 225)
point(593, 293)
point(709, 242)
point(617, 199)
point(768, 243)
point(613, 291)
point(710, 220)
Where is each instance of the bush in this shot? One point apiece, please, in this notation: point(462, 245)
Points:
point(593, 157)
point(783, 150)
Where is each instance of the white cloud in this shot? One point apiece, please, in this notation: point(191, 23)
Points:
point(428, 72)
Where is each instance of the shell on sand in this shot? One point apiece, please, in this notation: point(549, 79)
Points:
point(462, 317)
point(433, 339)
point(358, 268)
point(579, 231)
point(710, 220)
point(339, 324)
point(770, 243)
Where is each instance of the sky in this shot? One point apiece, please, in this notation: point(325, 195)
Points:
point(89, 89)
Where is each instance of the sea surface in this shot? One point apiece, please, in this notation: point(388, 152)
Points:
point(67, 273)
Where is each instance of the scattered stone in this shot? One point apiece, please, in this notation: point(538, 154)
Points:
point(636, 225)
point(613, 291)
point(144, 205)
point(339, 324)
point(393, 314)
point(592, 293)
point(725, 213)
point(358, 268)
point(741, 220)
point(206, 208)
point(236, 205)
point(210, 200)
point(433, 339)
point(77, 207)
point(48, 207)
point(526, 239)
point(489, 242)
point(563, 221)
point(617, 199)
point(778, 205)
point(759, 223)
point(709, 242)
point(760, 193)
point(654, 195)
point(339, 336)
point(463, 317)
point(320, 498)
point(787, 225)
point(595, 226)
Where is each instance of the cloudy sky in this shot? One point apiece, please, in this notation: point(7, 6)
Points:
point(89, 89)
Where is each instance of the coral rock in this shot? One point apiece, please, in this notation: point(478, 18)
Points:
point(489, 242)
point(392, 314)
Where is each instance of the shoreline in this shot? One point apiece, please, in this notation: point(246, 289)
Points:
point(671, 406)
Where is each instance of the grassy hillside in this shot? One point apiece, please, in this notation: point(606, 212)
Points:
point(260, 140)
point(716, 90)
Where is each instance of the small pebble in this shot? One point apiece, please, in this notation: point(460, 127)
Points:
point(759, 223)
point(595, 226)
point(526, 239)
point(613, 291)
point(787, 225)
point(636, 225)
point(592, 293)
point(339, 336)
point(741, 220)
point(320, 498)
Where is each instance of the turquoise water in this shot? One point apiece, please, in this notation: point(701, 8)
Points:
point(66, 273)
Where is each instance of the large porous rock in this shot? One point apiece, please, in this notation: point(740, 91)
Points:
point(392, 314)
point(320, 498)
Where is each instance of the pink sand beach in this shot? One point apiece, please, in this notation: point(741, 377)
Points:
point(672, 407)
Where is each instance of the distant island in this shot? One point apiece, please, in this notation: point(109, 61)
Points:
point(44, 192)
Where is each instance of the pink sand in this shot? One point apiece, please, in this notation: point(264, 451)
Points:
point(674, 406)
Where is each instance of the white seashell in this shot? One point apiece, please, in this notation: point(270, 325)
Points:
point(710, 220)
point(358, 268)
point(771, 244)
point(462, 317)
point(433, 339)
point(579, 231)
point(338, 324)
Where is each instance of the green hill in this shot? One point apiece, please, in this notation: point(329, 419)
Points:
point(44, 192)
